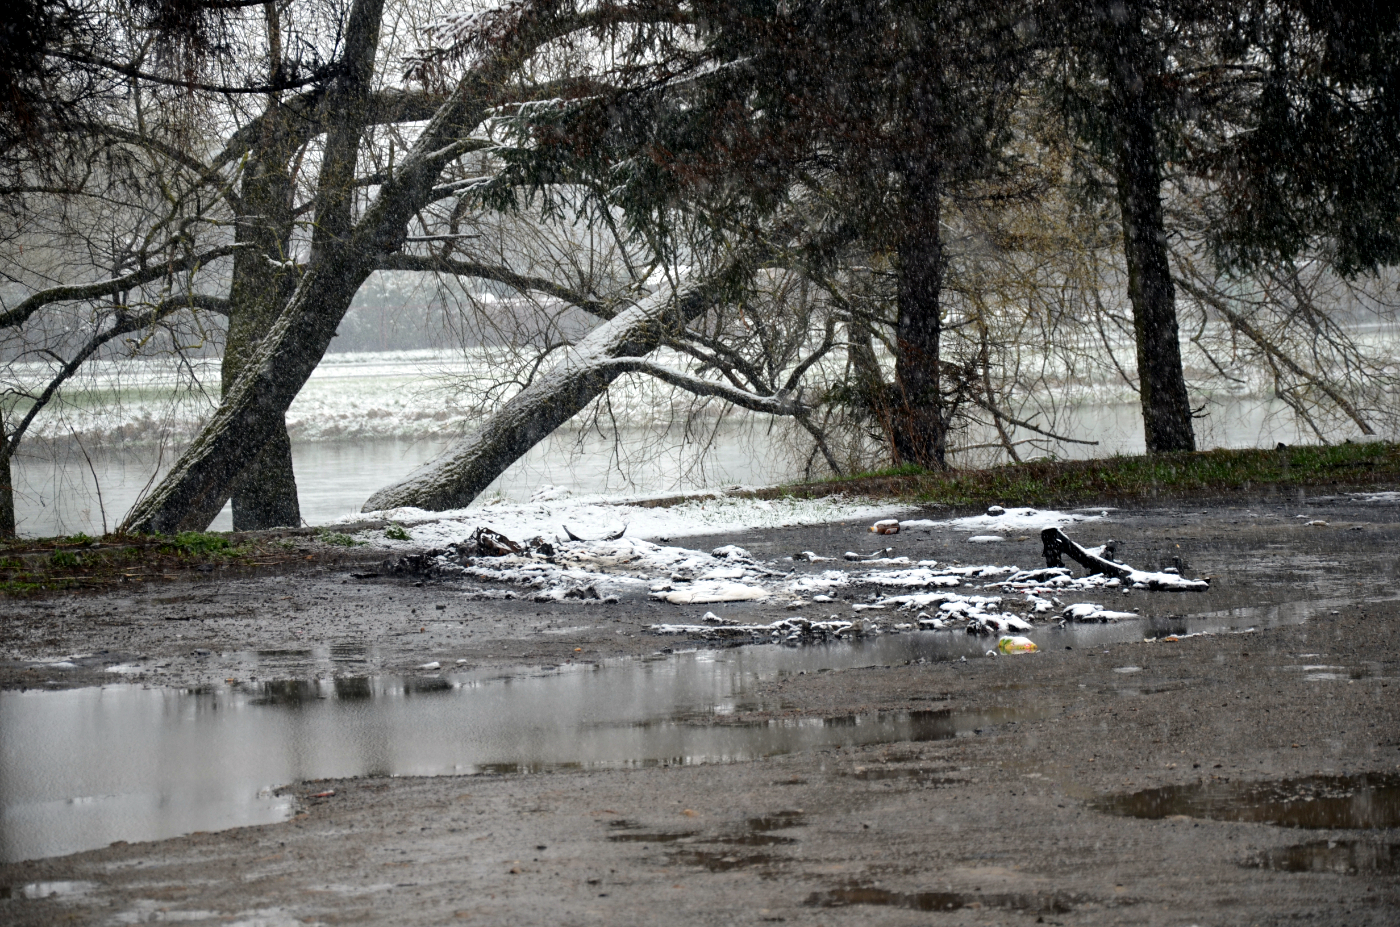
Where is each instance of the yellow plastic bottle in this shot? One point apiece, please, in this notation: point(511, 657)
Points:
point(1016, 645)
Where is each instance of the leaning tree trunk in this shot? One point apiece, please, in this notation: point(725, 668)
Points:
point(1166, 407)
point(264, 279)
point(343, 254)
point(465, 469)
point(251, 414)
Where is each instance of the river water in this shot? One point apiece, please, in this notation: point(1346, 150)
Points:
point(364, 421)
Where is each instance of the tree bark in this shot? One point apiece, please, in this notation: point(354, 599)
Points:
point(920, 431)
point(1166, 407)
point(920, 427)
point(465, 469)
point(343, 254)
point(263, 282)
point(7, 491)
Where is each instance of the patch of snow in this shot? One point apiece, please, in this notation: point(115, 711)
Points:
point(789, 630)
point(1087, 612)
point(710, 513)
point(1022, 519)
point(1375, 498)
point(550, 494)
point(1140, 579)
point(930, 599)
point(986, 539)
point(827, 580)
point(920, 578)
point(723, 573)
point(702, 593)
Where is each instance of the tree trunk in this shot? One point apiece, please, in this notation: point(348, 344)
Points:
point(920, 431)
point(465, 469)
point(343, 254)
point(920, 427)
point(7, 491)
point(1166, 407)
point(263, 282)
point(215, 465)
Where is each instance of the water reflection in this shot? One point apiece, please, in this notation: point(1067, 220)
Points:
point(1345, 857)
point(81, 768)
point(1365, 800)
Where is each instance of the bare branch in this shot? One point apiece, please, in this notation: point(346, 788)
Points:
point(499, 273)
point(21, 313)
point(780, 404)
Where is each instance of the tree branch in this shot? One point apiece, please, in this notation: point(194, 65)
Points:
point(1242, 325)
point(500, 274)
point(781, 404)
point(21, 313)
point(125, 324)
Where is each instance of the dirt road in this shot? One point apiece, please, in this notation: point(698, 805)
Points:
point(1010, 822)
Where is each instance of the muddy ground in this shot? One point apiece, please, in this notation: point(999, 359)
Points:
point(1005, 825)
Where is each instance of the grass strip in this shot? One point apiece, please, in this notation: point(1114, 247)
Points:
point(1123, 478)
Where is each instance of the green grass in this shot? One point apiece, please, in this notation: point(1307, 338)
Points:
point(36, 566)
point(197, 544)
point(337, 539)
point(1051, 482)
point(397, 532)
point(65, 558)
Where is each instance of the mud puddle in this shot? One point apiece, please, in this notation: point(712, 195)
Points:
point(1364, 800)
point(939, 901)
point(1344, 857)
point(82, 768)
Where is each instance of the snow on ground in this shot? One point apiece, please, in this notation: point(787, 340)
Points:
point(1087, 612)
point(597, 516)
point(1376, 498)
point(1006, 521)
point(875, 590)
point(705, 592)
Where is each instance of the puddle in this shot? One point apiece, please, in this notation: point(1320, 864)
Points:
point(720, 861)
point(85, 767)
point(665, 837)
point(1365, 800)
point(914, 774)
point(1345, 857)
point(939, 901)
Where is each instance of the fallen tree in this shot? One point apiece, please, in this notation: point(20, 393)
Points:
point(584, 372)
point(344, 249)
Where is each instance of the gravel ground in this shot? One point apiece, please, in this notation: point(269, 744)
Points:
point(1002, 824)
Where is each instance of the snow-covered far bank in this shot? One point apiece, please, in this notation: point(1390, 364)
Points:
point(592, 517)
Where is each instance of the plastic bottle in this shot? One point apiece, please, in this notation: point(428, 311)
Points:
point(1016, 645)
